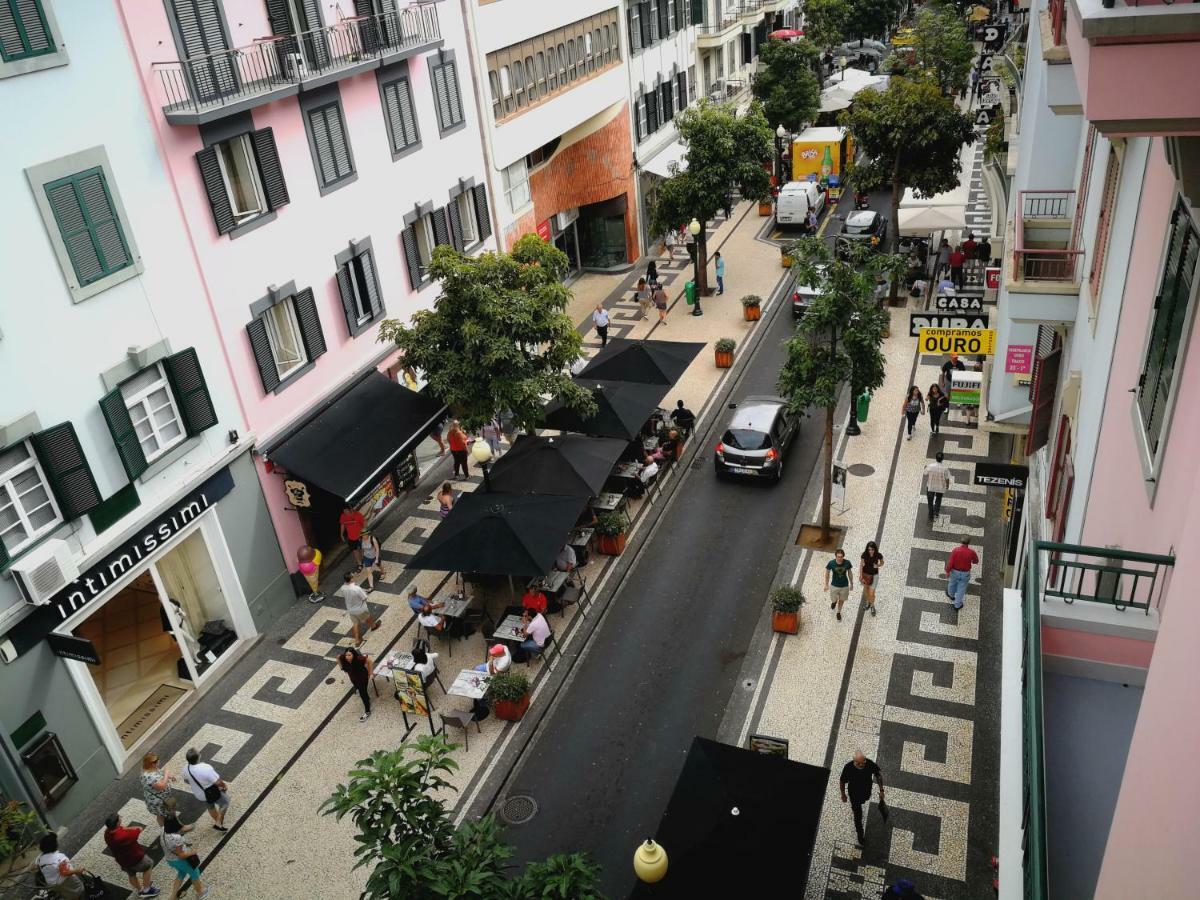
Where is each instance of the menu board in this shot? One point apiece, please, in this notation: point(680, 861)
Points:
point(407, 472)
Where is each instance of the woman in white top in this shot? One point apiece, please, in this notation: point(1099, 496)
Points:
point(499, 660)
point(424, 662)
point(61, 877)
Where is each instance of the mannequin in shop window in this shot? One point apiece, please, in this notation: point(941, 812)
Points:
point(183, 629)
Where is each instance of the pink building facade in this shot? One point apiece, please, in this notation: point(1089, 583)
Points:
point(317, 159)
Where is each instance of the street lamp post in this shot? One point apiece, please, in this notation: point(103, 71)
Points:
point(694, 230)
point(650, 862)
point(780, 134)
point(481, 452)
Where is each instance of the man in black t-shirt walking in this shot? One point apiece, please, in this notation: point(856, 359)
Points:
point(856, 779)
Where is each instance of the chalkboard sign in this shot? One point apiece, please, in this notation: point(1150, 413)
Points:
point(407, 472)
point(773, 746)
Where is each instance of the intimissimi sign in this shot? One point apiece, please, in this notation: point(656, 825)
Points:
point(98, 578)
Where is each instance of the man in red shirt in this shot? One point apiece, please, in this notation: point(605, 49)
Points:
point(350, 525)
point(969, 246)
point(534, 599)
point(130, 855)
point(957, 258)
point(958, 570)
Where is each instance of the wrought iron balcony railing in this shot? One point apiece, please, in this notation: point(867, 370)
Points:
point(1044, 209)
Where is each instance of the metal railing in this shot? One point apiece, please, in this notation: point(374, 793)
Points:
point(218, 79)
point(1058, 264)
point(1119, 578)
point(716, 27)
point(750, 7)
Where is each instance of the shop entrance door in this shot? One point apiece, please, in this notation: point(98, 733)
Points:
point(567, 242)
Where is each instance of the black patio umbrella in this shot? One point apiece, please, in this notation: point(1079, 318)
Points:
point(623, 409)
point(570, 465)
point(500, 534)
point(644, 362)
point(731, 803)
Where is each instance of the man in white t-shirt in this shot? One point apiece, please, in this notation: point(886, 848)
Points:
point(208, 786)
point(499, 660)
point(62, 877)
point(361, 620)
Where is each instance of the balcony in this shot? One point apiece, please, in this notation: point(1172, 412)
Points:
point(751, 11)
point(1066, 722)
point(714, 34)
point(203, 88)
point(1043, 286)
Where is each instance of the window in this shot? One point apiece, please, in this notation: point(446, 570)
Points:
point(468, 230)
point(1171, 307)
point(691, 84)
point(446, 95)
point(497, 97)
point(202, 38)
point(1108, 201)
point(516, 185)
point(425, 244)
point(401, 121)
point(27, 508)
point(518, 77)
point(642, 122)
point(1062, 453)
point(89, 225)
point(330, 147)
point(283, 332)
point(240, 174)
point(285, 336)
point(469, 220)
point(530, 80)
point(358, 285)
point(24, 31)
point(635, 26)
point(153, 412)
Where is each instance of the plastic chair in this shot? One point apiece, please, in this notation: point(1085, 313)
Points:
point(460, 718)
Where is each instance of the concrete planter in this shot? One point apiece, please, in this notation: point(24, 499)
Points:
point(785, 623)
point(510, 710)
point(610, 544)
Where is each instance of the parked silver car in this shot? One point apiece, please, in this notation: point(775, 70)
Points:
point(756, 440)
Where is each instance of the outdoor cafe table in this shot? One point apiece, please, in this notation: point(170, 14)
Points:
point(510, 629)
point(396, 660)
point(470, 684)
point(552, 583)
point(452, 608)
point(608, 501)
point(580, 537)
point(626, 470)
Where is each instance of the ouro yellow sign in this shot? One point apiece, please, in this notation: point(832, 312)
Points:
point(967, 341)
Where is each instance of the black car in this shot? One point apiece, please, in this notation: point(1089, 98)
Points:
point(863, 226)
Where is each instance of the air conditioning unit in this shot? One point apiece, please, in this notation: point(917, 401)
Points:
point(44, 571)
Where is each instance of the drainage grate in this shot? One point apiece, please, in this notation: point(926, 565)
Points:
point(518, 809)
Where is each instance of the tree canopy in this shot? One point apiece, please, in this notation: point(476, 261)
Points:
point(941, 48)
point(498, 338)
point(870, 18)
point(787, 84)
point(825, 21)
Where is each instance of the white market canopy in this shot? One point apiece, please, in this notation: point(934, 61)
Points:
point(941, 212)
point(660, 162)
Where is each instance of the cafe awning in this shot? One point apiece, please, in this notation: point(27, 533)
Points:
point(660, 162)
point(350, 444)
point(644, 362)
point(623, 408)
point(569, 465)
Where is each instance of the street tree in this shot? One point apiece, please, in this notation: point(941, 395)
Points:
point(941, 48)
point(724, 151)
point(838, 341)
point(498, 337)
point(826, 22)
point(787, 83)
point(408, 838)
point(870, 18)
point(910, 136)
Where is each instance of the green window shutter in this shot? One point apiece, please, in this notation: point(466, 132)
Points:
point(269, 169)
point(88, 223)
point(412, 257)
point(310, 324)
point(66, 470)
point(129, 448)
point(190, 390)
point(481, 212)
point(261, 345)
point(697, 12)
point(115, 508)
point(23, 30)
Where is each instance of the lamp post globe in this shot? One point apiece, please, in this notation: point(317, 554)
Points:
point(694, 228)
point(650, 862)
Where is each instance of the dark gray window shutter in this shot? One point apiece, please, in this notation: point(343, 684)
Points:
point(129, 448)
point(374, 294)
point(261, 345)
point(647, 37)
point(310, 324)
point(441, 228)
point(4, 559)
point(412, 257)
point(209, 67)
point(368, 29)
point(664, 18)
point(329, 138)
point(681, 91)
point(397, 98)
point(456, 232)
point(481, 212)
point(346, 291)
point(269, 169)
point(190, 390)
point(634, 29)
point(214, 186)
point(456, 113)
point(697, 12)
point(441, 96)
point(67, 470)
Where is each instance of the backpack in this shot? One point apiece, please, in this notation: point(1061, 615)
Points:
point(93, 888)
point(420, 644)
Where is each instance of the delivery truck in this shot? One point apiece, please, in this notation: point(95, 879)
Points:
point(823, 155)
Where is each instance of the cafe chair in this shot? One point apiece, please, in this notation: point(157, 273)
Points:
point(460, 718)
point(551, 646)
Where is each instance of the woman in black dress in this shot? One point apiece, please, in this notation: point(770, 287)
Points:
point(938, 403)
point(358, 667)
point(869, 565)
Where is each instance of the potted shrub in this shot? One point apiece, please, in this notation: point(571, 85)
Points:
point(752, 308)
point(784, 259)
point(610, 534)
point(765, 207)
point(509, 692)
point(785, 609)
point(724, 349)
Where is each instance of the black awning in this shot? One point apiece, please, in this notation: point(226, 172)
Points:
point(348, 447)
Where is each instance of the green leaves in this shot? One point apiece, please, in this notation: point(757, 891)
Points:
point(498, 337)
point(941, 47)
point(787, 84)
point(826, 21)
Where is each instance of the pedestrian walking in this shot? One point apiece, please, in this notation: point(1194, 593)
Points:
point(652, 274)
point(62, 877)
point(984, 250)
point(943, 258)
point(130, 855)
point(969, 245)
point(838, 576)
point(445, 499)
point(938, 403)
point(957, 258)
point(856, 782)
point(355, 598)
point(958, 571)
point(156, 786)
point(720, 272)
point(457, 439)
point(869, 565)
point(490, 432)
point(642, 296)
point(435, 432)
point(727, 205)
point(913, 406)
point(669, 242)
point(179, 855)
point(207, 785)
point(357, 667)
point(350, 526)
point(937, 482)
point(953, 364)
point(660, 303)
point(372, 558)
point(600, 320)
point(974, 82)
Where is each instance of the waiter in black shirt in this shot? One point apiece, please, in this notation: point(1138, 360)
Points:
point(856, 779)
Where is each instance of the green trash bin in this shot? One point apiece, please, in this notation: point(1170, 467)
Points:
point(863, 404)
point(689, 290)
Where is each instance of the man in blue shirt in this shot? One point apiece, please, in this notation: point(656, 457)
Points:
point(720, 272)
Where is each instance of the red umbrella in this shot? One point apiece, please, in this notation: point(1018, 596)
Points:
point(786, 34)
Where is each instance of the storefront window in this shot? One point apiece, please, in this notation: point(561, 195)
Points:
point(602, 234)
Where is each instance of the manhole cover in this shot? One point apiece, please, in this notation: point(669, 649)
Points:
point(518, 809)
point(860, 470)
point(329, 681)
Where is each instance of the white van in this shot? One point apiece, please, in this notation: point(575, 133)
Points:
point(796, 199)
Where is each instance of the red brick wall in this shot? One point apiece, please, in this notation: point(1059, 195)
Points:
point(597, 168)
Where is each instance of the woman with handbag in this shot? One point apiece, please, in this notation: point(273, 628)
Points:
point(913, 406)
point(180, 856)
point(868, 573)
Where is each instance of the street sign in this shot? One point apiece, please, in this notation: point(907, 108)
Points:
point(958, 303)
point(970, 341)
point(984, 116)
point(918, 321)
point(989, 92)
point(991, 278)
point(1001, 475)
point(994, 35)
point(70, 647)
